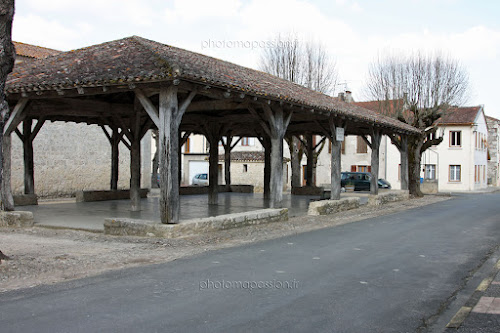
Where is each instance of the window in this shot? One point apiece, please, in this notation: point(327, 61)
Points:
point(455, 173)
point(362, 147)
point(330, 147)
point(475, 139)
point(476, 175)
point(455, 138)
point(430, 171)
point(484, 173)
point(245, 167)
point(187, 147)
point(246, 141)
point(361, 168)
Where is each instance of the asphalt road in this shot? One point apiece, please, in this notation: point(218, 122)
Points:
point(387, 274)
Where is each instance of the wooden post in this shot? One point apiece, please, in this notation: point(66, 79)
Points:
point(135, 163)
point(295, 161)
point(213, 132)
point(310, 159)
point(168, 122)
point(266, 143)
point(213, 171)
point(227, 161)
point(404, 162)
point(336, 159)
point(29, 179)
point(376, 136)
point(115, 159)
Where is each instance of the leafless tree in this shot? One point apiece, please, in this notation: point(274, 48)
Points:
point(417, 89)
point(305, 63)
point(7, 57)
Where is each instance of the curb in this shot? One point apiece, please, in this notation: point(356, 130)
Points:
point(465, 310)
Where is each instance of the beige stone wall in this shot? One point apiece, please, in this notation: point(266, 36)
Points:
point(73, 157)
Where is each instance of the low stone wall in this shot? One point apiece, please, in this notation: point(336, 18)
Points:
point(327, 207)
point(242, 188)
point(130, 227)
point(16, 219)
point(307, 190)
point(86, 196)
point(25, 200)
point(383, 198)
point(191, 190)
point(429, 187)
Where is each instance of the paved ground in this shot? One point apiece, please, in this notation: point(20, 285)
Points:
point(387, 274)
point(91, 215)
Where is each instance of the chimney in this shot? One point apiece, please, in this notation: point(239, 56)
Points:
point(342, 96)
point(348, 96)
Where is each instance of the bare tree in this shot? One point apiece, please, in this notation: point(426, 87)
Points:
point(305, 63)
point(417, 89)
point(7, 57)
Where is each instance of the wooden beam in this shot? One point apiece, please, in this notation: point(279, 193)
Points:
point(15, 117)
point(37, 128)
point(151, 110)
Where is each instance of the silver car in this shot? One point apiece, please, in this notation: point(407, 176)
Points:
point(200, 179)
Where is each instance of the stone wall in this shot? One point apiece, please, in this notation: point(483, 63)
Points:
point(73, 157)
point(493, 175)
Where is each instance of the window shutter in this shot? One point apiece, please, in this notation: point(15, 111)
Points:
point(353, 168)
point(369, 168)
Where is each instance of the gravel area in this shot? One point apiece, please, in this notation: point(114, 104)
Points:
point(44, 256)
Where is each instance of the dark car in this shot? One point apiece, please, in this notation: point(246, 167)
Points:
point(360, 181)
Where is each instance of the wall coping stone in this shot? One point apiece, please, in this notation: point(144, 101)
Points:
point(16, 218)
point(132, 227)
point(327, 207)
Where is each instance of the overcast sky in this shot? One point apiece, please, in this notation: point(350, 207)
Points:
point(354, 32)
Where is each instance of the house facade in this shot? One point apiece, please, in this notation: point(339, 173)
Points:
point(493, 151)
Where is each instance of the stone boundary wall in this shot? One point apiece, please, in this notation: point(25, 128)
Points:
point(307, 190)
point(191, 190)
point(25, 200)
point(18, 219)
point(327, 207)
point(383, 198)
point(130, 227)
point(87, 196)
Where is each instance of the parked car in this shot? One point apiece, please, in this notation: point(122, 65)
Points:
point(200, 179)
point(360, 181)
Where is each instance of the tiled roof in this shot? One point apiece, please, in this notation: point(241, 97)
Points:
point(245, 156)
point(248, 156)
point(459, 116)
point(492, 119)
point(33, 51)
point(135, 59)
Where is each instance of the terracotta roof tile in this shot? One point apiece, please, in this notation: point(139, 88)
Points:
point(135, 59)
point(459, 116)
point(33, 51)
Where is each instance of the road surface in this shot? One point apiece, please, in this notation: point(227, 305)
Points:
point(387, 274)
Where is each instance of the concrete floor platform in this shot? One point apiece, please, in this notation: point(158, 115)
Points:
point(91, 215)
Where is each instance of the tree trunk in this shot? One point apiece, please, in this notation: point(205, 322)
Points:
point(7, 199)
point(7, 57)
point(414, 145)
point(375, 146)
point(404, 162)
